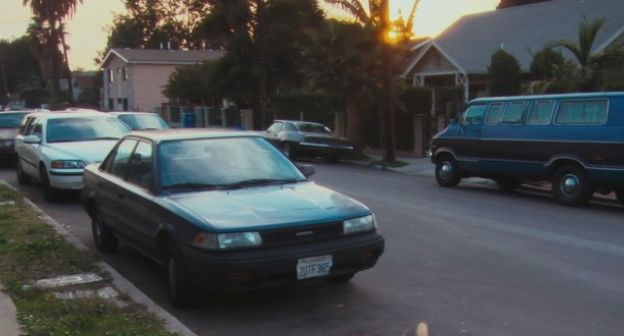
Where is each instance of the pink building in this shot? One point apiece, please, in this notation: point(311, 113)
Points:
point(135, 78)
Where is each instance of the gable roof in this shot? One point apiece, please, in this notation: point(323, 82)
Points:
point(471, 41)
point(160, 56)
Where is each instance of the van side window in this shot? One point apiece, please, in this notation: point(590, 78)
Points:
point(582, 112)
point(495, 114)
point(514, 113)
point(474, 115)
point(541, 112)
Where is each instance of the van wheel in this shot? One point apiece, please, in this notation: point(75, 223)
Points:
point(22, 178)
point(571, 185)
point(619, 194)
point(48, 192)
point(447, 172)
point(179, 286)
point(507, 184)
point(104, 239)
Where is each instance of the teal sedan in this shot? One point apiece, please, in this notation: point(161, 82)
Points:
point(225, 210)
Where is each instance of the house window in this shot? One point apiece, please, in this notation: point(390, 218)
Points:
point(111, 76)
point(124, 73)
point(111, 104)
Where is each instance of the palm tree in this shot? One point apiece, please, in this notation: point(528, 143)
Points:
point(592, 65)
point(378, 18)
point(49, 16)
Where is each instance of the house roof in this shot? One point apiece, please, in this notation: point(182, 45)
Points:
point(160, 56)
point(521, 31)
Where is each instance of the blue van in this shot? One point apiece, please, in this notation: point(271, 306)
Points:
point(576, 141)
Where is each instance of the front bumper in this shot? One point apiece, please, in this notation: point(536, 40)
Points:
point(323, 149)
point(269, 267)
point(69, 179)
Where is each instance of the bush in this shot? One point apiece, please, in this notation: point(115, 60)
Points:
point(505, 74)
point(315, 106)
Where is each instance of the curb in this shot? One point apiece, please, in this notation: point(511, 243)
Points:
point(8, 316)
point(172, 324)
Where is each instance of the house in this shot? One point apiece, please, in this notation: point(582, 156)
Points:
point(460, 55)
point(133, 79)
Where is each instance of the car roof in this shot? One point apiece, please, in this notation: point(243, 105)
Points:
point(191, 133)
point(118, 113)
point(72, 113)
point(23, 111)
point(551, 96)
point(299, 122)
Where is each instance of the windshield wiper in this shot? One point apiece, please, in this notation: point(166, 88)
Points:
point(260, 181)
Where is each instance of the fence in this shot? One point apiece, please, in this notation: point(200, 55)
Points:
point(206, 116)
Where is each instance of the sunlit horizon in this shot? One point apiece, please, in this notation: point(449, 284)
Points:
point(88, 28)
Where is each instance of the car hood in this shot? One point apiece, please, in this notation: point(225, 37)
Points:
point(86, 151)
point(8, 133)
point(268, 207)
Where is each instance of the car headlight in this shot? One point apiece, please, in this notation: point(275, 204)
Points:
point(67, 164)
point(227, 240)
point(361, 224)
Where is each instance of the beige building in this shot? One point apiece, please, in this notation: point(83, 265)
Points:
point(135, 78)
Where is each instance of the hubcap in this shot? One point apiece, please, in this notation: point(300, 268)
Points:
point(446, 170)
point(569, 184)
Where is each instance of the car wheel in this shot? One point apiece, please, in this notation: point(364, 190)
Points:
point(507, 184)
point(48, 192)
point(22, 178)
point(342, 278)
point(286, 149)
point(447, 172)
point(179, 287)
point(104, 239)
point(619, 194)
point(571, 185)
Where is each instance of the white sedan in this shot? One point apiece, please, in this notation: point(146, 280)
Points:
point(54, 148)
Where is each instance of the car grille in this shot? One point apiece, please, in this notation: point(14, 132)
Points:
point(301, 234)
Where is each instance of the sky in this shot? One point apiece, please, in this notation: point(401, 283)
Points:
point(88, 27)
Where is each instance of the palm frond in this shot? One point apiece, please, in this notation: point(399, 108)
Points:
point(352, 7)
point(412, 15)
point(572, 47)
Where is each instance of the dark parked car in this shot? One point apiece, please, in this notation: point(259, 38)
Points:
point(10, 122)
point(225, 210)
point(142, 120)
point(308, 139)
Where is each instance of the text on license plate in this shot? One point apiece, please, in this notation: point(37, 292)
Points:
point(314, 267)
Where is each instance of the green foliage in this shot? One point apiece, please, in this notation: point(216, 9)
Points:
point(505, 74)
point(35, 97)
point(315, 106)
point(546, 63)
point(192, 84)
point(415, 100)
point(19, 68)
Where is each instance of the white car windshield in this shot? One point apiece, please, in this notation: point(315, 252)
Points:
point(223, 162)
point(84, 129)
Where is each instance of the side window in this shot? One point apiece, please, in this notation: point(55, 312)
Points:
point(514, 113)
point(474, 115)
point(275, 128)
point(290, 127)
point(495, 114)
point(541, 112)
point(25, 123)
point(141, 171)
point(582, 112)
point(38, 129)
point(30, 126)
point(119, 165)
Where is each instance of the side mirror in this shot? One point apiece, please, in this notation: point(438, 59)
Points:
point(32, 139)
point(307, 170)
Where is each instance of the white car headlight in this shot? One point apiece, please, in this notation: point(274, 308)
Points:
point(67, 164)
point(239, 239)
point(360, 224)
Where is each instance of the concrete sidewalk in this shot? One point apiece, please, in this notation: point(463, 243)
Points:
point(8, 316)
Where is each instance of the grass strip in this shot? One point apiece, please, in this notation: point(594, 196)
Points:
point(30, 250)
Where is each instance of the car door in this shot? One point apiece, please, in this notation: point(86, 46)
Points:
point(21, 147)
point(31, 152)
point(111, 184)
point(140, 221)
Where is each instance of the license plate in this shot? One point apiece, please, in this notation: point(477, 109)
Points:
point(314, 267)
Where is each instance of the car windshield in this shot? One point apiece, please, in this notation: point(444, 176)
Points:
point(313, 128)
point(143, 121)
point(84, 129)
point(11, 120)
point(223, 163)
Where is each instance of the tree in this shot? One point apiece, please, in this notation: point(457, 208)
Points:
point(191, 84)
point(505, 76)
point(594, 67)
point(19, 69)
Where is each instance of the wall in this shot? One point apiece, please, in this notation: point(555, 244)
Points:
point(149, 82)
point(118, 88)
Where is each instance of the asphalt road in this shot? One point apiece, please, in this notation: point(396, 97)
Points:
point(465, 261)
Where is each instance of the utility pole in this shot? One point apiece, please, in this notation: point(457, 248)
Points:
point(388, 78)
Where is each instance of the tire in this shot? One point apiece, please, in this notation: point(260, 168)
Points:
point(447, 172)
point(22, 178)
point(508, 185)
point(619, 194)
point(571, 186)
point(179, 286)
point(340, 279)
point(103, 237)
point(49, 194)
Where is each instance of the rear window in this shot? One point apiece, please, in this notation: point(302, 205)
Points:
point(143, 121)
point(495, 114)
point(11, 120)
point(585, 112)
point(313, 128)
point(541, 113)
point(514, 113)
